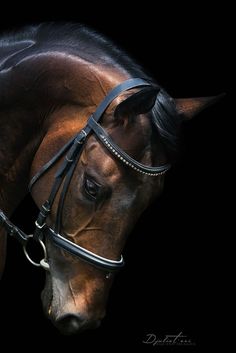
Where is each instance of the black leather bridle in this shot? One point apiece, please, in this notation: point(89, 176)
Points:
point(73, 150)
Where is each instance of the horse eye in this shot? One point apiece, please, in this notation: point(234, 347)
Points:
point(91, 188)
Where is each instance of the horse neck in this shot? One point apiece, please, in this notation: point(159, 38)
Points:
point(18, 143)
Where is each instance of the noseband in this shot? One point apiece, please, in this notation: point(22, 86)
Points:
point(73, 150)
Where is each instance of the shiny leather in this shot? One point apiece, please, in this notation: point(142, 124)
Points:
point(82, 253)
point(13, 230)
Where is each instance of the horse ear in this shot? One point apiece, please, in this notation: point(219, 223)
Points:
point(139, 103)
point(189, 107)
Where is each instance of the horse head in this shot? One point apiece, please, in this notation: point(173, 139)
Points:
point(109, 173)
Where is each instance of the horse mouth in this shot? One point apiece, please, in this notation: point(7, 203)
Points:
point(67, 324)
point(47, 297)
point(60, 310)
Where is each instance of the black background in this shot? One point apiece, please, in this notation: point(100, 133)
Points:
point(171, 273)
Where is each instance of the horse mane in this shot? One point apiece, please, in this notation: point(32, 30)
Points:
point(95, 48)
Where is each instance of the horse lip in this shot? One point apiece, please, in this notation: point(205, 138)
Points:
point(47, 297)
point(50, 309)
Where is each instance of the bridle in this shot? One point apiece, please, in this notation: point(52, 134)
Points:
point(64, 174)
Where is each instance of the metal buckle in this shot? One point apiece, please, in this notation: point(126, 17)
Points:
point(46, 209)
point(83, 138)
point(39, 226)
point(84, 132)
point(69, 160)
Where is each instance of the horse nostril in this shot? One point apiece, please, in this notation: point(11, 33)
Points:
point(69, 324)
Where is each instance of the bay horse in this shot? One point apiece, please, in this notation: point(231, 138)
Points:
point(95, 135)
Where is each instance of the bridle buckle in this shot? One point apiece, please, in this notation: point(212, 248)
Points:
point(40, 226)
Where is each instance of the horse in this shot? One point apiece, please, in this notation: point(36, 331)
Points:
point(91, 136)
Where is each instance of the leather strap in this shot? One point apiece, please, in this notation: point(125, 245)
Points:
point(121, 155)
point(12, 230)
point(84, 254)
point(52, 161)
point(115, 92)
point(59, 177)
point(66, 184)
